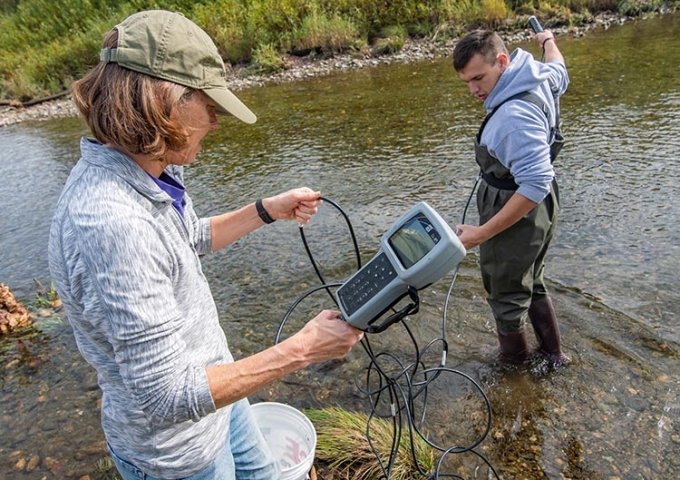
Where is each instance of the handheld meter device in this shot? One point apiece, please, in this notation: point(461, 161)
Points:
point(419, 249)
point(535, 24)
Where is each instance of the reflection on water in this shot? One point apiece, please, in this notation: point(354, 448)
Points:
point(376, 141)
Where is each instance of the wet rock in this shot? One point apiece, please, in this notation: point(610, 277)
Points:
point(32, 463)
point(20, 465)
point(49, 424)
point(12, 364)
point(97, 448)
point(15, 455)
point(636, 403)
point(54, 466)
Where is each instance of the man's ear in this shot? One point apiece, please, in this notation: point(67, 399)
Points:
point(503, 60)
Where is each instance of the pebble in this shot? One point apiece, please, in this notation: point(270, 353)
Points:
point(32, 463)
point(53, 465)
point(20, 465)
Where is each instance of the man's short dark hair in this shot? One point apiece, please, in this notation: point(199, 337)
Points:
point(484, 42)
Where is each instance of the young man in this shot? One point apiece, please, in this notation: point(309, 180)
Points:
point(518, 196)
point(125, 247)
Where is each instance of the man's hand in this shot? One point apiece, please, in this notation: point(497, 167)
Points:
point(470, 235)
point(543, 37)
point(546, 40)
point(299, 204)
point(515, 208)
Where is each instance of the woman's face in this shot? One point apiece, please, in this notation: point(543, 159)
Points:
point(199, 117)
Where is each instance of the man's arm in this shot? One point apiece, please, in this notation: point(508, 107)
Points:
point(546, 39)
point(516, 207)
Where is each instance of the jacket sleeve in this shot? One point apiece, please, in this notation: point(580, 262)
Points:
point(131, 272)
point(518, 138)
point(558, 78)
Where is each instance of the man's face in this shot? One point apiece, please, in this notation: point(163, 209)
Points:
point(482, 76)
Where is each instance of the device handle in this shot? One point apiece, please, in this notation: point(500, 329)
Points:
point(535, 25)
point(409, 309)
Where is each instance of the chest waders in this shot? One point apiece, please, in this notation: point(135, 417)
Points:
point(512, 262)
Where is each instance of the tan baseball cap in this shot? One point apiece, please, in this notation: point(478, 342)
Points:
point(169, 46)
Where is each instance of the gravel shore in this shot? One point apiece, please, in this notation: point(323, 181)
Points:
point(301, 68)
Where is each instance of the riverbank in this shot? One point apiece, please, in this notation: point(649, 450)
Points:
point(307, 67)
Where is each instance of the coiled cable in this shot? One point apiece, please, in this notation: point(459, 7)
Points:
point(403, 383)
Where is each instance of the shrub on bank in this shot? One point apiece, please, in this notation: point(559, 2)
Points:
point(48, 43)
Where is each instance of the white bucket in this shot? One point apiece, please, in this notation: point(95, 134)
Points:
point(291, 437)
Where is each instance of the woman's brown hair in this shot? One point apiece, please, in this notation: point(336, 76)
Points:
point(131, 109)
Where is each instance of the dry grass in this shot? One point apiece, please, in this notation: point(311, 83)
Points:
point(343, 448)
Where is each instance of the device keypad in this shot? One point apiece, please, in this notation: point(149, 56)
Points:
point(370, 280)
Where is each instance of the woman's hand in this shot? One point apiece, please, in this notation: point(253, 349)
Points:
point(326, 337)
point(299, 204)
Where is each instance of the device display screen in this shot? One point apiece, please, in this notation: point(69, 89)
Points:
point(412, 241)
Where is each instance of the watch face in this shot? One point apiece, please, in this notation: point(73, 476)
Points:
point(414, 240)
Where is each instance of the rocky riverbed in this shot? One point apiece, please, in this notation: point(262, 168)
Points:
point(306, 67)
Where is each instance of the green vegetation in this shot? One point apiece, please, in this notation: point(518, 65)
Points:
point(48, 43)
point(106, 470)
point(47, 297)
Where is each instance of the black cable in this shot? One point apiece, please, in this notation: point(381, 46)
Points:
point(472, 192)
point(309, 252)
point(297, 302)
point(404, 384)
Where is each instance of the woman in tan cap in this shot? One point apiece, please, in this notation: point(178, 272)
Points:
point(124, 255)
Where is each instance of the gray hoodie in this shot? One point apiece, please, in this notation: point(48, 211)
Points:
point(518, 134)
point(126, 266)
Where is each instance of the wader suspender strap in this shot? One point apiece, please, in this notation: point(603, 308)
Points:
point(529, 97)
point(555, 146)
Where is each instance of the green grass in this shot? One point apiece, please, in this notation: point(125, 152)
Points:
point(106, 470)
point(48, 43)
point(47, 297)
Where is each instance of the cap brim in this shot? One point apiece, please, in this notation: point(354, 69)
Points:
point(227, 102)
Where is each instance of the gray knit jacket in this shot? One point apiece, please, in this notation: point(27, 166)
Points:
point(126, 266)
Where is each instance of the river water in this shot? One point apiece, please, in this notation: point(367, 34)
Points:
point(376, 141)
